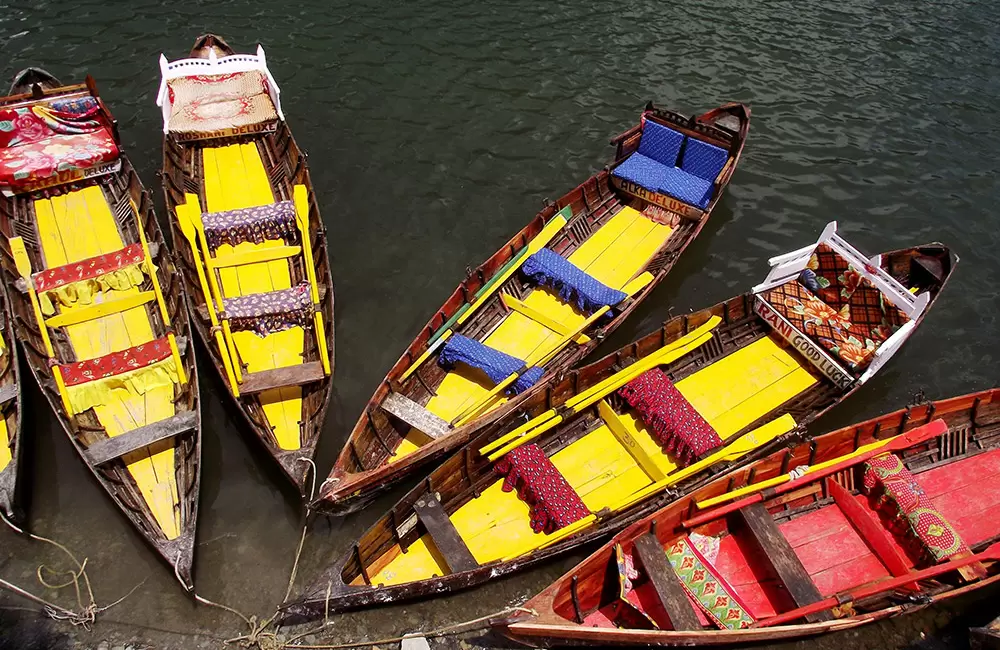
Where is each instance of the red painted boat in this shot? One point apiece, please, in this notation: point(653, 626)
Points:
point(871, 521)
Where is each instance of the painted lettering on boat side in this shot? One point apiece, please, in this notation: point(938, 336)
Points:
point(69, 176)
point(661, 200)
point(267, 127)
point(804, 345)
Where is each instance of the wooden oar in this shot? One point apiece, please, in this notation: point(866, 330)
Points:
point(690, 340)
point(551, 418)
point(633, 287)
point(300, 197)
point(550, 230)
point(991, 553)
point(740, 447)
point(188, 230)
point(908, 439)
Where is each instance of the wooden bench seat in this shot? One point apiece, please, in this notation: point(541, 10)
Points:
point(446, 538)
point(666, 583)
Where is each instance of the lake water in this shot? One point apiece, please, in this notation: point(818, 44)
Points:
point(434, 132)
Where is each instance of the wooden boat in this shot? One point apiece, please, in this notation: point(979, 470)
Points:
point(503, 335)
point(250, 244)
point(10, 415)
point(614, 440)
point(99, 308)
point(879, 519)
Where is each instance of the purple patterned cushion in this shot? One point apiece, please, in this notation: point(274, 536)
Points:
point(265, 313)
point(256, 225)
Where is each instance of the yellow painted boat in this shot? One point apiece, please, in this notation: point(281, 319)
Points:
point(616, 439)
point(99, 307)
point(521, 315)
point(10, 416)
point(251, 244)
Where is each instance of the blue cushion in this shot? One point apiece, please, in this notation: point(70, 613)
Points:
point(496, 364)
point(660, 143)
point(686, 187)
point(548, 268)
point(703, 160)
point(642, 171)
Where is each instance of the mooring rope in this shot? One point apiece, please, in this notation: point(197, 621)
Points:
point(86, 615)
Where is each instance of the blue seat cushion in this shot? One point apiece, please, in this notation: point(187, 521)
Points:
point(496, 364)
point(686, 187)
point(548, 268)
point(660, 143)
point(703, 160)
point(643, 171)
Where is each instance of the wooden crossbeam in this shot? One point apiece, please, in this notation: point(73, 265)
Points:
point(304, 373)
point(7, 393)
point(779, 553)
point(255, 256)
point(98, 310)
point(666, 583)
point(405, 409)
point(108, 449)
point(446, 538)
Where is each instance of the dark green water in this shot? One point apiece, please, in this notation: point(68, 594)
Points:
point(435, 131)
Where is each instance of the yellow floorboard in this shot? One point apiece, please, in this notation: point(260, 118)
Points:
point(235, 178)
point(729, 394)
point(76, 226)
point(614, 254)
point(5, 455)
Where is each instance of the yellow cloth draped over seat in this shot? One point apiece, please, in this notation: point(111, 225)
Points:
point(136, 382)
point(86, 292)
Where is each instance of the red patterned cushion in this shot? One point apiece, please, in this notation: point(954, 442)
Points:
point(23, 164)
point(668, 415)
point(834, 273)
point(553, 502)
point(116, 363)
point(87, 269)
point(899, 495)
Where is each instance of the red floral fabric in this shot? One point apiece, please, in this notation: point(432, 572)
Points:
point(668, 415)
point(553, 502)
point(898, 495)
point(87, 269)
point(36, 160)
point(116, 363)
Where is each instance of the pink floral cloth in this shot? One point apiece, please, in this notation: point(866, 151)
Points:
point(87, 269)
point(668, 415)
point(553, 502)
point(274, 311)
point(258, 224)
point(116, 363)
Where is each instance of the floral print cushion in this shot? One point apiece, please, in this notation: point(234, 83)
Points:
point(836, 278)
point(206, 103)
point(32, 161)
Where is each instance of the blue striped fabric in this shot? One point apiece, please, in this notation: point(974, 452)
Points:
point(496, 364)
point(548, 268)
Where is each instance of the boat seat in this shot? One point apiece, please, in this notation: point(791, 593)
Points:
point(7, 393)
point(205, 104)
point(496, 364)
point(274, 221)
point(852, 332)
point(202, 310)
point(668, 586)
point(446, 538)
point(298, 375)
point(548, 268)
point(898, 495)
point(553, 502)
point(679, 429)
point(782, 558)
point(409, 412)
point(271, 311)
point(47, 140)
point(84, 384)
point(654, 165)
point(109, 449)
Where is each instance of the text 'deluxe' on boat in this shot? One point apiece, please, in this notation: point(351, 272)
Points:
point(544, 300)
point(99, 307)
point(872, 521)
point(250, 245)
point(616, 439)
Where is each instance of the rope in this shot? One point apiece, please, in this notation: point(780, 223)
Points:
point(86, 615)
point(448, 630)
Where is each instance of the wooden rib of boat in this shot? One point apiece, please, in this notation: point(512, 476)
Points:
point(99, 307)
point(10, 415)
point(855, 539)
point(592, 458)
point(251, 245)
point(624, 237)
